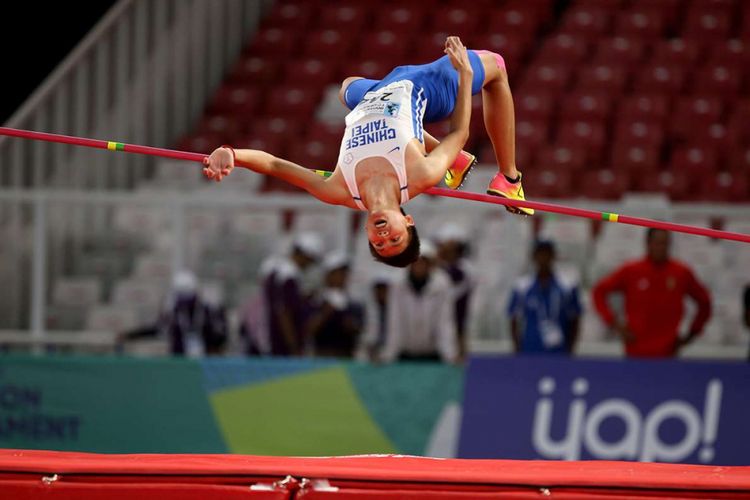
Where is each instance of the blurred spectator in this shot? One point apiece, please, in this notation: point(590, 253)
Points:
point(376, 316)
point(452, 249)
point(286, 305)
point(421, 324)
point(654, 288)
point(193, 327)
point(544, 307)
point(215, 326)
point(336, 319)
point(747, 308)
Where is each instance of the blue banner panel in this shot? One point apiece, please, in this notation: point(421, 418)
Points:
point(572, 409)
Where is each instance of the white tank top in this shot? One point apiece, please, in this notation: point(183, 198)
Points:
point(381, 125)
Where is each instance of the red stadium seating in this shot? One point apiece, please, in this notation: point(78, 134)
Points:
point(589, 135)
point(313, 154)
point(226, 126)
point(511, 47)
point(254, 70)
point(645, 23)
point(291, 15)
point(675, 184)
point(292, 100)
point(460, 20)
point(563, 47)
point(605, 184)
point(587, 20)
point(569, 159)
point(724, 186)
point(639, 133)
point(514, 21)
point(278, 126)
point(689, 111)
point(534, 105)
point(683, 51)
point(367, 68)
point(546, 182)
point(532, 133)
point(274, 42)
point(314, 72)
point(649, 107)
point(429, 48)
point(641, 160)
point(273, 144)
point(619, 50)
point(329, 44)
point(586, 106)
point(546, 77)
point(718, 79)
point(695, 161)
point(739, 159)
point(241, 100)
point(385, 45)
point(602, 77)
point(405, 18)
point(660, 78)
point(731, 52)
point(201, 142)
point(352, 15)
point(707, 24)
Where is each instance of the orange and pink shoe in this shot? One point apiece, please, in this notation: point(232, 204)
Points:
point(456, 173)
point(500, 186)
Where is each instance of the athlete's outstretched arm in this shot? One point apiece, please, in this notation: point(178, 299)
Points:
point(444, 154)
point(222, 161)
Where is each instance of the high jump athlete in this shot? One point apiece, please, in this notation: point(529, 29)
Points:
point(386, 158)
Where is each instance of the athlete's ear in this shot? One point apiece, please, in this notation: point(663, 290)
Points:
point(409, 220)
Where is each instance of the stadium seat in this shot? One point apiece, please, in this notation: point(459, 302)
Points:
point(718, 79)
point(586, 106)
point(513, 48)
point(314, 153)
point(689, 111)
point(707, 23)
point(660, 78)
point(291, 15)
point(646, 107)
point(534, 105)
point(228, 127)
point(733, 52)
point(201, 142)
point(565, 158)
point(546, 182)
point(270, 143)
point(405, 18)
point(639, 132)
point(602, 77)
point(292, 100)
point(571, 48)
point(514, 21)
point(353, 15)
point(255, 70)
point(695, 161)
point(334, 44)
point(314, 72)
point(728, 186)
point(604, 184)
point(620, 50)
point(430, 47)
point(274, 42)
point(385, 45)
point(673, 183)
point(641, 161)
point(367, 68)
point(738, 120)
point(684, 51)
point(586, 20)
point(279, 126)
point(550, 78)
point(532, 133)
point(460, 20)
point(590, 135)
point(233, 99)
point(645, 23)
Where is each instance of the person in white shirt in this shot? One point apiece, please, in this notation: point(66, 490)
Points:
point(421, 324)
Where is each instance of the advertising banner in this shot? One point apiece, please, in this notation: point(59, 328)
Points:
point(244, 405)
point(571, 409)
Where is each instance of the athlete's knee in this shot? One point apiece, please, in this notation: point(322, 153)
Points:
point(497, 65)
point(344, 85)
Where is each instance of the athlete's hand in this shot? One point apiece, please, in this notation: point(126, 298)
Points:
point(219, 164)
point(457, 55)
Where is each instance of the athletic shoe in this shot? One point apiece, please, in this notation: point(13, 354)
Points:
point(456, 174)
point(499, 186)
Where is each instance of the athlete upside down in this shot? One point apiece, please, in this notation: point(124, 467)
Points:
point(386, 158)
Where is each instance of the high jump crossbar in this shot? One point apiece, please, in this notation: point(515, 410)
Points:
point(464, 195)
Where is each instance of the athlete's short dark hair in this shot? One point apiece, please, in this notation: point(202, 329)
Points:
point(403, 259)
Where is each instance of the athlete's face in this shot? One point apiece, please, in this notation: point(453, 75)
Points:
point(388, 231)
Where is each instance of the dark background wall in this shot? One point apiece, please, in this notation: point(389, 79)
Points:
point(35, 36)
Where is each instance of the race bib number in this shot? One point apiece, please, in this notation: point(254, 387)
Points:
point(385, 102)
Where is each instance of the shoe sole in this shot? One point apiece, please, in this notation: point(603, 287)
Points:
point(474, 161)
point(513, 210)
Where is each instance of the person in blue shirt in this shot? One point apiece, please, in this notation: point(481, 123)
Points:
point(544, 308)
